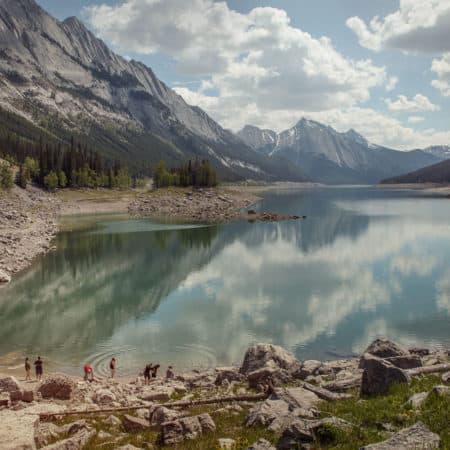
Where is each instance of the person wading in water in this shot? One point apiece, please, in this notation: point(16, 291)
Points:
point(112, 366)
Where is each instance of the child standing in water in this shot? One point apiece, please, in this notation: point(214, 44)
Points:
point(112, 366)
point(27, 370)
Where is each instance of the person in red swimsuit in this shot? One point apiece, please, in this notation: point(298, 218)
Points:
point(88, 373)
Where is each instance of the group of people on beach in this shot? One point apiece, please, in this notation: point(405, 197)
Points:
point(150, 370)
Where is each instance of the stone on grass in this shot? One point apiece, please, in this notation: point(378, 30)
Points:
point(297, 431)
point(417, 399)
point(57, 386)
point(257, 356)
point(264, 413)
point(104, 397)
point(441, 390)
point(384, 348)
point(133, 424)
point(228, 374)
point(417, 437)
point(297, 397)
point(162, 393)
point(113, 420)
point(446, 377)
point(9, 384)
point(77, 441)
point(186, 428)
point(226, 443)
point(261, 444)
point(379, 375)
point(308, 368)
point(160, 414)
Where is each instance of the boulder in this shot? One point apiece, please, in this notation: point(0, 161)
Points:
point(419, 351)
point(57, 386)
point(379, 375)
point(28, 396)
point(297, 397)
point(228, 373)
point(162, 393)
point(186, 428)
point(113, 420)
point(384, 348)
point(264, 413)
point(9, 384)
point(308, 368)
point(417, 399)
point(261, 444)
point(160, 414)
point(76, 427)
point(446, 377)
point(261, 375)
point(77, 441)
point(405, 362)
point(319, 428)
point(257, 356)
point(4, 277)
point(46, 432)
point(297, 431)
point(104, 397)
point(417, 437)
point(16, 396)
point(4, 399)
point(133, 424)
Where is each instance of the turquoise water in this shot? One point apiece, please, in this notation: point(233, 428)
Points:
point(365, 262)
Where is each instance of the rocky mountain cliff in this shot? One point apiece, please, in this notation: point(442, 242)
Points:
point(63, 79)
point(331, 157)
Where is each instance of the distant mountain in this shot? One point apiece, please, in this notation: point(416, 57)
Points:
point(441, 151)
point(62, 79)
point(328, 156)
point(437, 173)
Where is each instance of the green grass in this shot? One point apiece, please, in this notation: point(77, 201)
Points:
point(367, 415)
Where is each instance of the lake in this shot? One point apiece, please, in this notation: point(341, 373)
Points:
point(365, 262)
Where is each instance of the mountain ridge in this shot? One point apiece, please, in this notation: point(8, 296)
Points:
point(60, 76)
point(330, 156)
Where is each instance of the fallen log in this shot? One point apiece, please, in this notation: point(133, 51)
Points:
point(428, 369)
point(325, 394)
point(186, 404)
point(343, 385)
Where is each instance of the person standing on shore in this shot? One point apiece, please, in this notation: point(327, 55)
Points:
point(112, 366)
point(147, 371)
point(169, 373)
point(155, 370)
point(27, 369)
point(38, 368)
point(88, 373)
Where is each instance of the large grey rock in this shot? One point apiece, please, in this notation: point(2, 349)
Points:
point(417, 399)
point(270, 370)
point(187, 428)
point(379, 375)
point(161, 393)
point(57, 386)
point(297, 397)
point(405, 362)
point(384, 348)
point(259, 355)
point(446, 377)
point(9, 384)
point(4, 277)
point(308, 368)
point(229, 374)
point(264, 413)
point(160, 414)
point(104, 397)
point(261, 444)
point(417, 437)
point(133, 424)
point(46, 432)
point(78, 441)
point(298, 431)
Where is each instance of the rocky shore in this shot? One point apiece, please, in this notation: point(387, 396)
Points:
point(28, 223)
point(199, 205)
point(388, 398)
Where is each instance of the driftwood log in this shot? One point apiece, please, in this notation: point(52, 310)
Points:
point(428, 369)
point(325, 394)
point(186, 404)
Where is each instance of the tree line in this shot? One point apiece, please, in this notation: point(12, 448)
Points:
point(193, 173)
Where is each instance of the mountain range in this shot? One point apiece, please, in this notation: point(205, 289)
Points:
point(329, 156)
point(58, 78)
point(437, 173)
point(65, 81)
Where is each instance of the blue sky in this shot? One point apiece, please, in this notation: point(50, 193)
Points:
point(378, 67)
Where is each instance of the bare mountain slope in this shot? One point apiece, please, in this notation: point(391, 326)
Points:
point(62, 78)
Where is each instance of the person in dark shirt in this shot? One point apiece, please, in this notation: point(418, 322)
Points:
point(147, 370)
point(112, 366)
point(38, 368)
point(155, 370)
point(169, 373)
point(27, 369)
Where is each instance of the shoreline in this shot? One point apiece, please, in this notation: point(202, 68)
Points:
point(261, 398)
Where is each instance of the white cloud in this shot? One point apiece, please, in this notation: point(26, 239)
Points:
point(442, 69)
point(418, 103)
point(391, 84)
point(415, 119)
point(256, 58)
point(417, 26)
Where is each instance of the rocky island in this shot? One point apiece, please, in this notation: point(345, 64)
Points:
point(388, 398)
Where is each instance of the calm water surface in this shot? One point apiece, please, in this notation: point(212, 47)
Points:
point(365, 262)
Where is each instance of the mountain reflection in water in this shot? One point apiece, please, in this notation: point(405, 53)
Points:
point(365, 262)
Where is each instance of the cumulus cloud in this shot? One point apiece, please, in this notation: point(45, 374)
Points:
point(257, 57)
point(417, 26)
point(391, 84)
point(418, 103)
point(441, 67)
point(415, 119)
